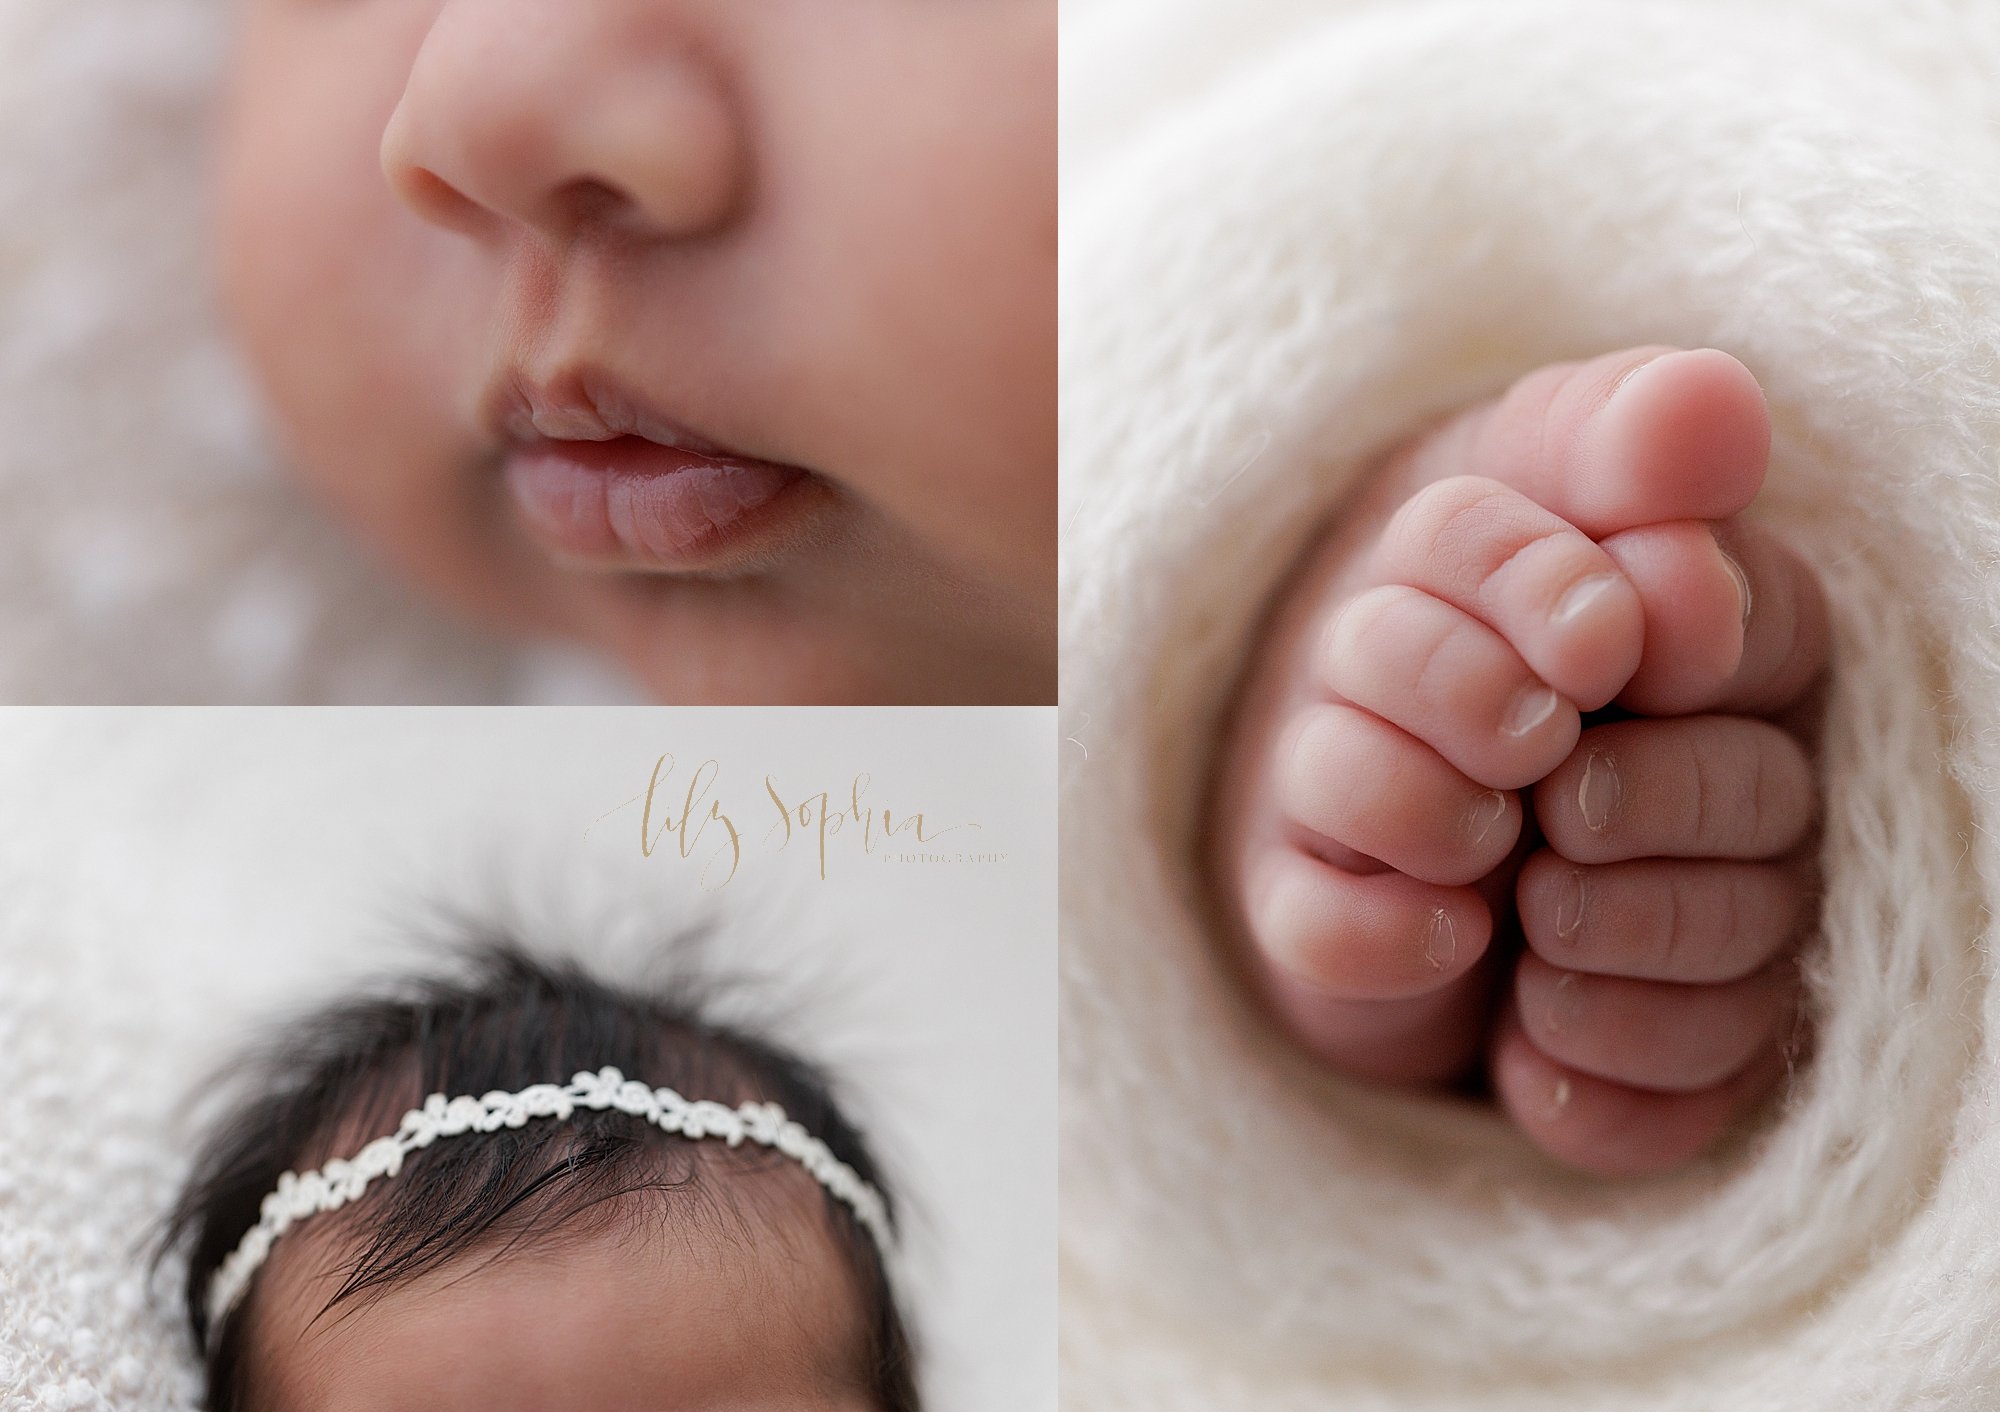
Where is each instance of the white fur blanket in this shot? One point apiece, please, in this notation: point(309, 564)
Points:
point(151, 550)
point(174, 881)
point(1295, 229)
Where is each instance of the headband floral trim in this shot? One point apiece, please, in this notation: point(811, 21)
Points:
point(344, 1179)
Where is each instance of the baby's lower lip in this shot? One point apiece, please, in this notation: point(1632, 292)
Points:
point(634, 504)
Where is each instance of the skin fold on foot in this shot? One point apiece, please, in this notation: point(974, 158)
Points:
point(1519, 788)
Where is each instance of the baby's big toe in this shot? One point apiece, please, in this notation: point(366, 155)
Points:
point(1632, 438)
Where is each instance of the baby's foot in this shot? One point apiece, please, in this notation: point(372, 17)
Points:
point(1534, 559)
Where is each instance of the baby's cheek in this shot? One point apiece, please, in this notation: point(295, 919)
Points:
point(340, 304)
point(931, 349)
point(319, 262)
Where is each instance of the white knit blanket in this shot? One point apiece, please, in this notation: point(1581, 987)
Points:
point(1295, 229)
point(151, 549)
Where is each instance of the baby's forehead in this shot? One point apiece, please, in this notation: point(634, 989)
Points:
point(648, 1305)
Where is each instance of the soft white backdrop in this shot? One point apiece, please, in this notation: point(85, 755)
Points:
point(168, 878)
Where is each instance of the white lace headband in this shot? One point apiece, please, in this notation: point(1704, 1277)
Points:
point(344, 1179)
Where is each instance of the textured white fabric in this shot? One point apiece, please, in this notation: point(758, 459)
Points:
point(1292, 232)
point(174, 881)
point(150, 548)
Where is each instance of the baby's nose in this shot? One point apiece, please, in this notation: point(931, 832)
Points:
point(557, 116)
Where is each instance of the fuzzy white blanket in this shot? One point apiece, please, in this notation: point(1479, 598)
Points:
point(151, 550)
point(1295, 229)
point(173, 882)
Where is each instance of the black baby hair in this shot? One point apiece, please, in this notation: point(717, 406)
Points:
point(345, 1074)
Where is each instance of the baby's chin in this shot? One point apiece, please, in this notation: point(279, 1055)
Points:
point(834, 615)
point(767, 638)
point(813, 654)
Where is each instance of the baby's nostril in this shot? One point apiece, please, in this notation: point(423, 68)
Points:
point(587, 201)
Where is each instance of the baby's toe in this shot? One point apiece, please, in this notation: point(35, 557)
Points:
point(1694, 921)
point(1557, 599)
point(1734, 620)
point(1362, 936)
point(1354, 788)
point(1431, 1038)
point(1691, 787)
point(1632, 438)
point(1447, 679)
point(1379, 975)
point(1654, 1035)
point(1609, 1129)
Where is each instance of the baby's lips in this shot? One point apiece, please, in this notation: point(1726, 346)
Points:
point(636, 505)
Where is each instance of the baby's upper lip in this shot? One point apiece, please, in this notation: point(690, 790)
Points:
point(582, 404)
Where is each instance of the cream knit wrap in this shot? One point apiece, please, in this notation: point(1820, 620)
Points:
point(1294, 231)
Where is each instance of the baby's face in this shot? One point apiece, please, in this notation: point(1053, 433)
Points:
point(627, 1320)
point(811, 241)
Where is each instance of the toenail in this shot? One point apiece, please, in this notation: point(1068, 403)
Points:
point(1569, 906)
point(1531, 706)
point(1599, 794)
point(1440, 940)
point(1329, 636)
point(1486, 811)
point(1743, 595)
point(1582, 595)
point(1635, 370)
point(1565, 1002)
